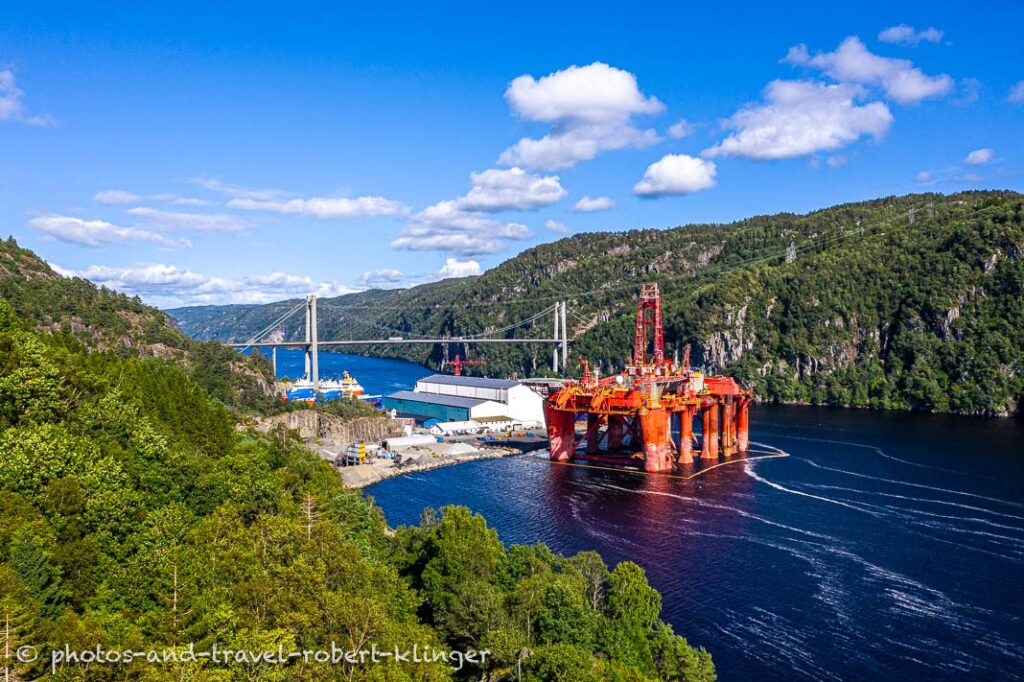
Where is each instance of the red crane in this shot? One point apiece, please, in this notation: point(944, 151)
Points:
point(458, 363)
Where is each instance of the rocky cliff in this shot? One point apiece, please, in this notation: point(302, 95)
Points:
point(328, 428)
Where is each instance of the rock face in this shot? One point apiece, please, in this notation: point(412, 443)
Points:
point(328, 428)
point(723, 348)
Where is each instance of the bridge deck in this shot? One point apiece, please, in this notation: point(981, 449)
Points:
point(372, 342)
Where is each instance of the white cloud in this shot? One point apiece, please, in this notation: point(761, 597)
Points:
point(566, 148)
point(968, 91)
point(676, 174)
point(681, 129)
point(589, 109)
point(113, 197)
point(189, 222)
point(852, 62)
point(907, 35)
point(799, 118)
point(278, 201)
point(1016, 93)
point(116, 196)
point(596, 93)
point(98, 232)
point(954, 175)
point(139, 279)
point(10, 97)
point(462, 226)
point(237, 191)
point(590, 204)
point(11, 107)
point(837, 160)
point(382, 279)
point(499, 190)
point(447, 228)
point(170, 285)
point(453, 267)
point(557, 227)
point(979, 157)
point(326, 208)
point(465, 244)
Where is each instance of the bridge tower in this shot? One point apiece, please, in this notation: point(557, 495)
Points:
point(312, 343)
point(561, 339)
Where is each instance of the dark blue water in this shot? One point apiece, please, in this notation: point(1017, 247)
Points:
point(885, 546)
point(377, 376)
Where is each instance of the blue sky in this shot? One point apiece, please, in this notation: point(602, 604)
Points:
point(250, 152)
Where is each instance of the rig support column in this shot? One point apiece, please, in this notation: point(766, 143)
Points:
point(654, 425)
point(743, 424)
point(712, 433)
point(593, 433)
point(561, 433)
point(616, 431)
point(273, 360)
point(728, 427)
point(686, 435)
point(705, 429)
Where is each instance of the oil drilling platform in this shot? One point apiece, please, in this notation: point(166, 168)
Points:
point(643, 403)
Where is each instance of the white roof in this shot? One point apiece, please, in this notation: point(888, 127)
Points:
point(457, 426)
point(475, 382)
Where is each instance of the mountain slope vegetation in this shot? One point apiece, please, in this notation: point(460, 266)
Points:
point(910, 302)
point(136, 516)
point(107, 321)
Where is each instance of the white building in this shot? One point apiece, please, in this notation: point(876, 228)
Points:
point(518, 401)
point(480, 425)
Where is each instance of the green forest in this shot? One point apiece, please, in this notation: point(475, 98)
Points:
point(135, 516)
point(912, 302)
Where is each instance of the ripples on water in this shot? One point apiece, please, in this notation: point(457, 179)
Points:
point(886, 544)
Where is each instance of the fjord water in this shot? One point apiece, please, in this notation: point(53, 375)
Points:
point(885, 545)
point(377, 376)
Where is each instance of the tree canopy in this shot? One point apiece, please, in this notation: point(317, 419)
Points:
point(133, 515)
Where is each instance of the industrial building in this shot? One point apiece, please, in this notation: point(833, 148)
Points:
point(450, 398)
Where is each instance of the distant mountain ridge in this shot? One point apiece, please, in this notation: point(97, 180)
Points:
point(107, 321)
point(912, 302)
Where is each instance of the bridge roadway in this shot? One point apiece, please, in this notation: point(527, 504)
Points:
point(371, 342)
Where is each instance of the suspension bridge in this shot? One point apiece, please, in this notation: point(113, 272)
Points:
point(559, 340)
point(312, 344)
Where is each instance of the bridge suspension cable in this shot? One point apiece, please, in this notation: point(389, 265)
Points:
point(258, 336)
point(510, 327)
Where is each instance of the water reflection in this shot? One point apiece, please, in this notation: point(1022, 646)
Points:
point(883, 539)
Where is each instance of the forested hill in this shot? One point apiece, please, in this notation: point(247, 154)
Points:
point(910, 302)
point(107, 321)
point(903, 302)
point(136, 517)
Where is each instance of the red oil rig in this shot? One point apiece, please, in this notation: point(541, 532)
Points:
point(642, 403)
